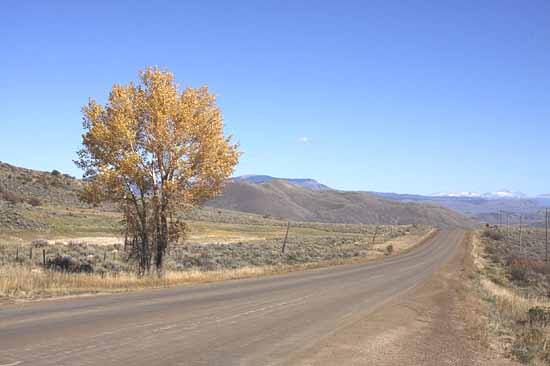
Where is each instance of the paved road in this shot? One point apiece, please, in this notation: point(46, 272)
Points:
point(275, 320)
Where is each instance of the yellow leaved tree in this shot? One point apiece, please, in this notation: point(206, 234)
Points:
point(154, 150)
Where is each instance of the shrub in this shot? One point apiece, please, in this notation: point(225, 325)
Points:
point(56, 183)
point(55, 172)
point(389, 249)
point(539, 315)
point(534, 265)
point(519, 268)
point(10, 197)
point(39, 243)
point(111, 266)
point(66, 263)
point(493, 234)
point(530, 345)
point(34, 202)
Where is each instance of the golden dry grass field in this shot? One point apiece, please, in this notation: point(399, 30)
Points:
point(75, 250)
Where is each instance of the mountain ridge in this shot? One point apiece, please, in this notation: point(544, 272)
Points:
point(280, 198)
point(501, 194)
point(481, 207)
point(303, 182)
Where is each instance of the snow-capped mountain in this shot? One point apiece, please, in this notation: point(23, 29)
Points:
point(505, 194)
point(501, 194)
point(456, 194)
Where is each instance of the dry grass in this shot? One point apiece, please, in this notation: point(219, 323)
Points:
point(26, 282)
point(509, 320)
point(509, 303)
point(23, 282)
point(471, 307)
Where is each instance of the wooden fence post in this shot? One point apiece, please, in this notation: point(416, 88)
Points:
point(44, 257)
point(30, 253)
point(286, 237)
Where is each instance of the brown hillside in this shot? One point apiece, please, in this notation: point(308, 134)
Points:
point(23, 185)
point(285, 200)
point(277, 198)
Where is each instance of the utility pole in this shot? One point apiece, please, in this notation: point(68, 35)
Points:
point(520, 233)
point(546, 238)
point(375, 233)
point(286, 237)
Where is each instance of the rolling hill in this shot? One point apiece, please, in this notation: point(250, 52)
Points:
point(279, 198)
point(294, 199)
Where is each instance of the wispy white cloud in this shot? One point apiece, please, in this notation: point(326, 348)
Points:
point(303, 139)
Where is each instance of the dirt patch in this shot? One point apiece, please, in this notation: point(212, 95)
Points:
point(84, 240)
point(404, 243)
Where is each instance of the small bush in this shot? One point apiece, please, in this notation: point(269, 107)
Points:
point(34, 202)
point(539, 315)
point(39, 243)
point(530, 345)
point(493, 234)
point(55, 172)
point(10, 197)
point(519, 268)
point(66, 263)
point(56, 183)
point(389, 249)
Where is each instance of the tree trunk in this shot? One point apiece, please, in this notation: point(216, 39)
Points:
point(162, 239)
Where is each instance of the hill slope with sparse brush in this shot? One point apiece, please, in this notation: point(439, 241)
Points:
point(18, 185)
point(277, 198)
point(286, 200)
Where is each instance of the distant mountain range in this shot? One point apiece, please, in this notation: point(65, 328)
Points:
point(305, 182)
point(489, 207)
point(288, 199)
point(502, 194)
point(307, 200)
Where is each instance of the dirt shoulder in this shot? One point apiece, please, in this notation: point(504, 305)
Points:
point(439, 323)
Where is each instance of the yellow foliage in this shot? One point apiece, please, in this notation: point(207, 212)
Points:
point(155, 149)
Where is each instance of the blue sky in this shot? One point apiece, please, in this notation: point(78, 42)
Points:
point(408, 96)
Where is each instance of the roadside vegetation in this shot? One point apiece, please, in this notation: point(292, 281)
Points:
point(515, 282)
point(34, 264)
point(84, 249)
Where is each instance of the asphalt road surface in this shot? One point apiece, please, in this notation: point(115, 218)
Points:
point(280, 320)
